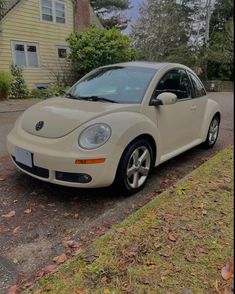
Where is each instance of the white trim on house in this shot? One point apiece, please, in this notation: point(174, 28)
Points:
point(25, 44)
point(53, 21)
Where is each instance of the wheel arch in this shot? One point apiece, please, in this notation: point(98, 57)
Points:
point(150, 140)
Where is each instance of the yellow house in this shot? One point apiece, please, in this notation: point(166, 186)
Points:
point(33, 35)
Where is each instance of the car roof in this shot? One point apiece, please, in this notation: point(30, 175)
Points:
point(148, 64)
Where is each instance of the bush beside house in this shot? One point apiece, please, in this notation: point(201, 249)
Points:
point(18, 86)
point(5, 84)
point(98, 47)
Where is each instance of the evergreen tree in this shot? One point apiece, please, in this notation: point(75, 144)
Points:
point(2, 8)
point(110, 12)
point(221, 45)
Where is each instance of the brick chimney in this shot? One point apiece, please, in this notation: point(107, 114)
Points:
point(82, 15)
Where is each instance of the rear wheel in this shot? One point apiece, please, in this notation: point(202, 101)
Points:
point(213, 132)
point(134, 167)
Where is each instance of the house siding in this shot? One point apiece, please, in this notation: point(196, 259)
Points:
point(23, 23)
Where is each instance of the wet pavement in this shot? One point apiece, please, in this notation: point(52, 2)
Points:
point(46, 216)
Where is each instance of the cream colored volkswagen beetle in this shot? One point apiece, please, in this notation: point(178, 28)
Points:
point(114, 125)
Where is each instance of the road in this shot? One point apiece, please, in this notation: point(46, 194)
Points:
point(46, 215)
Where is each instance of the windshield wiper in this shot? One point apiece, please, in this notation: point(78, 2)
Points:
point(97, 98)
point(69, 95)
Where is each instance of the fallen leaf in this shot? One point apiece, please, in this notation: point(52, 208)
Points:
point(145, 281)
point(121, 230)
point(202, 250)
point(200, 206)
point(172, 238)
point(15, 261)
point(51, 204)
point(12, 290)
point(158, 245)
point(50, 268)
point(27, 285)
point(9, 214)
point(73, 244)
point(60, 259)
point(28, 210)
point(90, 258)
point(15, 229)
point(227, 271)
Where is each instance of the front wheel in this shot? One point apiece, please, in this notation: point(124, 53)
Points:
point(134, 167)
point(213, 132)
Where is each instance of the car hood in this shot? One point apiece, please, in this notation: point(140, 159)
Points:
point(60, 116)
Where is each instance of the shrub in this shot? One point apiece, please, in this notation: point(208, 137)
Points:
point(18, 87)
point(48, 92)
point(5, 84)
point(97, 47)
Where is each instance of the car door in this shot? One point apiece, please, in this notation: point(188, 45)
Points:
point(175, 122)
point(199, 103)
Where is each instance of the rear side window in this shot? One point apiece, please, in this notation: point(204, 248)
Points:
point(198, 88)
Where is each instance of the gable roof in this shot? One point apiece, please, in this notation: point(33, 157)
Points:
point(9, 4)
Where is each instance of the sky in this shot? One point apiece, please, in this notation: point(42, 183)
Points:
point(132, 13)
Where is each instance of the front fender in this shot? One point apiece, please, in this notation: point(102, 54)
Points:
point(126, 126)
point(211, 109)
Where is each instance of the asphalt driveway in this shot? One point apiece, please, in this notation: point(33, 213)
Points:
point(43, 217)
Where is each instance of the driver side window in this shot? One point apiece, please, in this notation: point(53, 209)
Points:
point(175, 81)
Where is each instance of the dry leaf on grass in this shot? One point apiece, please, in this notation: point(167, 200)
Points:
point(9, 214)
point(172, 238)
point(60, 259)
point(12, 290)
point(50, 268)
point(227, 271)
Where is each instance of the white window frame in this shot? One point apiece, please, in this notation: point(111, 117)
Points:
point(61, 47)
point(54, 12)
point(25, 44)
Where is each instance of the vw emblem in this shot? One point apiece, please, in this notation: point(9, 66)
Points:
point(39, 125)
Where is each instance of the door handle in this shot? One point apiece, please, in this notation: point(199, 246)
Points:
point(193, 108)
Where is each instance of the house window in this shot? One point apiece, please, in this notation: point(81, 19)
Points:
point(60, 12)
point(47, 10)
point(62, 52)
point(53, 11)
point(25, 54)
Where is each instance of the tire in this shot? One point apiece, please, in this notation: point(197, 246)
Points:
point(134, 167)
point(213, 132)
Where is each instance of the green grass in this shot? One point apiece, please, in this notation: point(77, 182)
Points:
point(179, 240)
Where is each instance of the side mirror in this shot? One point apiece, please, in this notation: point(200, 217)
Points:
point(165, 98)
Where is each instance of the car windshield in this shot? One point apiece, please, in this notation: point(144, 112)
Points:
point(117, 84)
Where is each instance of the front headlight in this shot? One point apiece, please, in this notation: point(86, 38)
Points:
point(94, 136)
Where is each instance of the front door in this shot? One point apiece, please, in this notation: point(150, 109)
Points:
point(176, 122)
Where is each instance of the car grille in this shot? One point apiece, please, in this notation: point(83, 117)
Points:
point(35, 170)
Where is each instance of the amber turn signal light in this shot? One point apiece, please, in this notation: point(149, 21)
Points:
point(90, 161)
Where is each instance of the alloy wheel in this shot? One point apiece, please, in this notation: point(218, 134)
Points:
point(138, 167)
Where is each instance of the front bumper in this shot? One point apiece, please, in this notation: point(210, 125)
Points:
point(53, 156)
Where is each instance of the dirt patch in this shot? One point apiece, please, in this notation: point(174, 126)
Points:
point(28, 256)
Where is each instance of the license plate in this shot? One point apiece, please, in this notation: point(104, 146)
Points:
point(23, 156)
